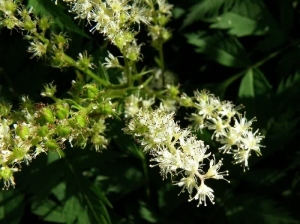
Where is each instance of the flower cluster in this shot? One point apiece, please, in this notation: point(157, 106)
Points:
point(231, 128)
point(114, 19)
point(41, 128)
point(176, 151)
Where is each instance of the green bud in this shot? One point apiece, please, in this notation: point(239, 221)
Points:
point(91, 91)
point(128, 36)
point(44, 23)
point(123, 17)
point(80, 120)
point(6, 173)
point(52, 145)
point(72, 122)
point(18, 154)
point(63, 131)
point(186, 102)
point(22, 131)
point(35, 141)
point(99, 141)
point(47, 115)
point(49, 90)
point(120, 41)
point(5, 110)
point(29, 25)
point(43, 131)
point(162, 20)
point(9, 23)
point(99, 127)
point(62, 111)
point(166, 35)
point(10, 6)
point(173, 90)
point(106, 108)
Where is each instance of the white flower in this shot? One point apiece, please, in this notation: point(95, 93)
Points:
point(112, 62)
point(251, 141)
point(203, 191)
point(213, 171)
point(37, 48)
point(242, 126)
point(241, 156)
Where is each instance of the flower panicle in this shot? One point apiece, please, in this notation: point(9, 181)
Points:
point(175, 151)
point(230, 127)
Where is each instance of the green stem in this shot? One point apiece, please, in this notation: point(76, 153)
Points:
point(127, 71)
point(161, 56)
point(88, 72)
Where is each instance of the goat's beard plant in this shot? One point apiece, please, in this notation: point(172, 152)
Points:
point(81, 120)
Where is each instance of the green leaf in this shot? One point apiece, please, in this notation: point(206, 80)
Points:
point(146, 213)
point(49, 211)
point(247, 86)
point(224, 49)
point(83, 216)
point(71, 209)
point(91, 196)
point(286, 84)
point(57, 14)
point(207, 10)
point(239, 25)
point(11, 206)
point(253, 84)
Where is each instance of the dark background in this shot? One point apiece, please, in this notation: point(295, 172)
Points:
point(242, 61)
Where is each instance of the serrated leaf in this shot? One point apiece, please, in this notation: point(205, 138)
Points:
point(239, 25)
point(288, 83)
point(56, 13)
point(224, 49)
point(48, 211)
point(71, 209)
point(91, 196)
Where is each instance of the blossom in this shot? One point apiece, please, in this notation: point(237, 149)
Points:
point(112, 62)
point(38, 48)
point(203, 191)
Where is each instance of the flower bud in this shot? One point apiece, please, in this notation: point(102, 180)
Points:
point(63, 131)
point(173, 90)
point(47, 115)
point(44, 23)
point(162, 20)
point(49, 91)
point(18, 154)
point(22, 131)
point(91, 91)
point(80, 120)
point(4, 110)
point(106, 108)
point(52, 145)
point(35, 141)
point(6, 173)
point(62, 111)
point(43, 131)
point(186, 101)
point(166, 35)
point(29, 25)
